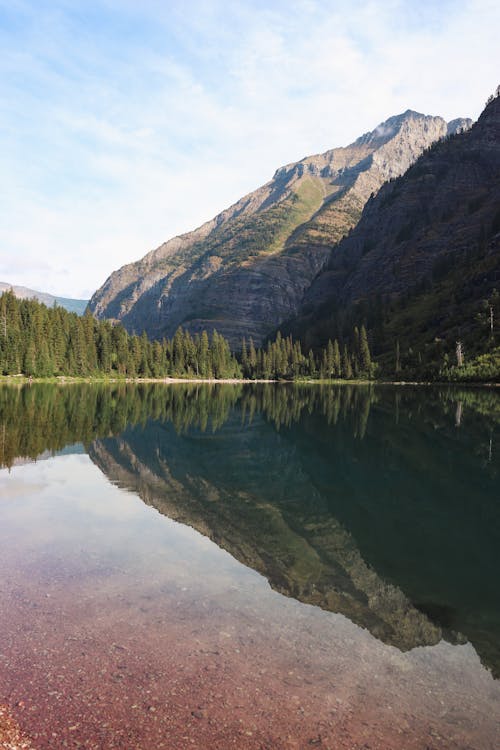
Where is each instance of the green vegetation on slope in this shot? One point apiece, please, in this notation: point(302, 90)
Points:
point(421, 269)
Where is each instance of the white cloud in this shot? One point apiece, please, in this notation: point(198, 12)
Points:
point(127, 123)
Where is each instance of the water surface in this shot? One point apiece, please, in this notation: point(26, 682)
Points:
point(261, 567)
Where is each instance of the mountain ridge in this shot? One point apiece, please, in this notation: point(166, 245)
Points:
point(424, 255)
point(246, 270)
point(23, 292)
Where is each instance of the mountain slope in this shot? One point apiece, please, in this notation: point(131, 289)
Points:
point(247, 270)
point(424, 255)
point(22, 292)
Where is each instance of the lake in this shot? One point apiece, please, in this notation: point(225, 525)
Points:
point(250, 566)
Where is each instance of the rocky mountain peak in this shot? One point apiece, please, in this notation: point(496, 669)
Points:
point(459, 125)
point(323, 165)
point(247, 270)
point(392, 126)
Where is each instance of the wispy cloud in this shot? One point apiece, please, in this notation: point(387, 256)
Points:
point(124, 123)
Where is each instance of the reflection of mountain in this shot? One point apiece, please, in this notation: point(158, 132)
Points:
point(68, 450)
point(420, 496)
point(284, 530)
point(384, 496)
point(343, 497)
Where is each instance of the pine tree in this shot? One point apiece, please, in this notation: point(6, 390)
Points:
point(311, 364)
point(252, 360)
point(329, 364)
point(144, 369)
point(104, 347)
point(336, 359)
point(204, 356)
point(397, 368)
point(178, 352)
point(346, 364)
point(244, 358)
point(364, 353)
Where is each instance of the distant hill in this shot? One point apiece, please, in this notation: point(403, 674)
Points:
point(247, 270)
point(72, 305)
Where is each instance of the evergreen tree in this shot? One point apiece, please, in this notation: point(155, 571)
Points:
point(204, 357)
point(364, 353)
point(346, 364)
point(244, 358)
point(311, 364)
point(252, 360)
point(336, 359)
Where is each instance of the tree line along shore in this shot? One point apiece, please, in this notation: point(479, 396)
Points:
point(41, 342)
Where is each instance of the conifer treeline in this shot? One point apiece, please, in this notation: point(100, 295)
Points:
point(39, 341)
point(284, 358)
point(44, 342)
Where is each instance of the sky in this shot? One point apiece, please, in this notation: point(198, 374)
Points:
point(126, 122)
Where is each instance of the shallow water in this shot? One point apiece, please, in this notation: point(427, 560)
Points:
point(254, 567)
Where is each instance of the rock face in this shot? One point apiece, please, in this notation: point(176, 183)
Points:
point(247, 270)
point(440, 220)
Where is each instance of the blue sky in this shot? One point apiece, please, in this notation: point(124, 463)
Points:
point(124, 123)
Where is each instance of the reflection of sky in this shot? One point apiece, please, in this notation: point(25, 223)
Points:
point(63, 510)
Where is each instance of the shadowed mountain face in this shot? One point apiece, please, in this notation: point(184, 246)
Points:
point(425, 253)
point(376, 503)
point(247, 270)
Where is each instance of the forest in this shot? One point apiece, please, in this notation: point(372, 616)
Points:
point(41, 342)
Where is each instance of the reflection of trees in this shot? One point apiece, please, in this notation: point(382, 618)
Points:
point(37, 418)
point(285, 405)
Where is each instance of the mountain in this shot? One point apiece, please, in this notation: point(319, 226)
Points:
point(247, 270)
point(422, 264)
point(73, 305)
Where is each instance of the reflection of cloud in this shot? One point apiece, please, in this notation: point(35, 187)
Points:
point(137, 122)
point(13, 488)
point(65, 506)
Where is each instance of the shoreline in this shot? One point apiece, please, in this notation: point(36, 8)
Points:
point(71, 379)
